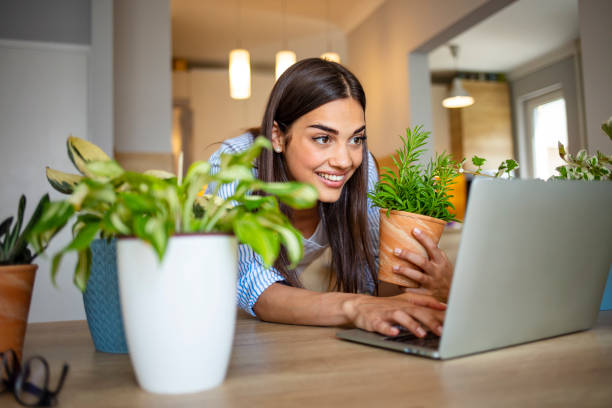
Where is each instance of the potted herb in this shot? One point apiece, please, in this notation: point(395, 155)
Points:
point(17, 273)
point(416, 196)
point(585, 167)
point(177, 257)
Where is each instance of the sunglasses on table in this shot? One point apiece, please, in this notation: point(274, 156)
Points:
point(29, 382)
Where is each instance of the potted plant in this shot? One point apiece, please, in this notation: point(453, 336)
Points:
point(416, 196)
point(177, 257)
point(585, 167)
point(101, 294)
point(17, 275)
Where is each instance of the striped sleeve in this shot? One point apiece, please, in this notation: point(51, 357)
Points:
point(253, 276)
point(373, 214)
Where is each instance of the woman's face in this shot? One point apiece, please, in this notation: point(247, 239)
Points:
point(325, 146)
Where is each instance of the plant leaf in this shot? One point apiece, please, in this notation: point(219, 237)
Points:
point(263, 241)
point(81, 152)
point(62, 182)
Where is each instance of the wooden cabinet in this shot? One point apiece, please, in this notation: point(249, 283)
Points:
point(485, 128)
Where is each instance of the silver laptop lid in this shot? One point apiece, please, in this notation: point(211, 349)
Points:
point(533, 262)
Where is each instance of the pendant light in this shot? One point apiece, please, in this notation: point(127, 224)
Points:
point(239, 67)
point(458, 97)
point(284, 58)
point(329, 55)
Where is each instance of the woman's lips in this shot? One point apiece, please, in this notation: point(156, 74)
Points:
point(332, 180)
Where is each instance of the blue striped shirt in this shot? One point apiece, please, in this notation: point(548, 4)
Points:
point(253, 276)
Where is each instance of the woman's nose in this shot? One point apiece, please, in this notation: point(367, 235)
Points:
point(341, 157)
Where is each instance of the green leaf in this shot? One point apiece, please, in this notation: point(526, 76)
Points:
point(84, 237)
point(294, 194)
point(62, 182)
point(82, 152)
point(478, 161)
point(290, 238)
point(83, 269)
point(262, 240)
point(106, 169)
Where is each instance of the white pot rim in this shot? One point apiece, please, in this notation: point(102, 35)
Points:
point(182, 235)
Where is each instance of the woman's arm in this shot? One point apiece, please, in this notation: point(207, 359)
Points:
point(285, 304)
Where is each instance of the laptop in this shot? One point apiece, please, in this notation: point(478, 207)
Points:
point(533, 261)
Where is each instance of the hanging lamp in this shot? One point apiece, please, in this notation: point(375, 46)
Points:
point(284, 58)
point(239, 67)
point(329, 55)
point(457, 97)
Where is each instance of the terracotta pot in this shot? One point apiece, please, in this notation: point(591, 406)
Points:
point(16, 284)
point(396, 232)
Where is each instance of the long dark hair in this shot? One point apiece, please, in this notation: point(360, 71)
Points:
point(305, 86)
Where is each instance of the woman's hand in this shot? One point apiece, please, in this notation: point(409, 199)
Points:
point(410, 310)
point(437, 272)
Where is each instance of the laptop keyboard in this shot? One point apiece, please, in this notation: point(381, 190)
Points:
point(431, 340)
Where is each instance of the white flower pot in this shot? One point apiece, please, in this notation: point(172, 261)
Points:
point(179, 315)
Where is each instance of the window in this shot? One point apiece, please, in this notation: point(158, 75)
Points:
point(546, 126)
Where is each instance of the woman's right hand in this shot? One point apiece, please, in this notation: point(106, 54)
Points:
point(414, 312)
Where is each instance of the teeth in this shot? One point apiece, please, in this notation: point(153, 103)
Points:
point(330, 177)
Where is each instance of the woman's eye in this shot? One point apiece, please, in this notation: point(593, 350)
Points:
point(359, 140)
point(321, 139)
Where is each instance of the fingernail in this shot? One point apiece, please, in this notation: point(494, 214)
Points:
point(395, 268)
point(421, 332)
point(397, 251)
point(417, 231)
point(439, 330)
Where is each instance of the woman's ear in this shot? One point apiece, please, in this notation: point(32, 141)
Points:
point(278, 138)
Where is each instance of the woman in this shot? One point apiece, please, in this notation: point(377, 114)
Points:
point(315, 119)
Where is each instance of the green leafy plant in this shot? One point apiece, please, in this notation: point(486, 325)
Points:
point(585, 167)
point(422, 189)
point(110, 201)
point(14, 248)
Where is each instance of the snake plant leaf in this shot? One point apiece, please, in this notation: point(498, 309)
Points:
point(81, 152)
point(62, 182)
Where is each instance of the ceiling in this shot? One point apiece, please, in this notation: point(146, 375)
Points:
point(519, 33)
point(207, 30)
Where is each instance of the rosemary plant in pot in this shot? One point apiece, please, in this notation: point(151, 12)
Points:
point(416, 196)
point(177, 257)
point(17, 274)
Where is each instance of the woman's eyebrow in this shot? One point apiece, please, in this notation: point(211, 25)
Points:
point(331, 130)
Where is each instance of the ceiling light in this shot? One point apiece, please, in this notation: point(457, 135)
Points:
point(458, 97)
point(240, 74)
point(284, 59)
point(329, 55)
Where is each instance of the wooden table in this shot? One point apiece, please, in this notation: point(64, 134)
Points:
point(275, 365)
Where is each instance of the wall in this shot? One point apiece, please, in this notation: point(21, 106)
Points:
point(378, 51)
point(210, 101)
point(441, 120)
point(43, 99)
point(595, 40)
point(57, 21)
point(142, 76)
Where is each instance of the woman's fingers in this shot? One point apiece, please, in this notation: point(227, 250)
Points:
point(430, 246)
point(413, 274)
point(422, 299)
point(405, 320)
point(429, 320)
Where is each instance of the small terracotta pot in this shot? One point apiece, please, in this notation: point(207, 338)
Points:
point(396, 232)
point(16, 284)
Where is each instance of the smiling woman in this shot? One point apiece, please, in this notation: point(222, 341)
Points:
point(315, 118)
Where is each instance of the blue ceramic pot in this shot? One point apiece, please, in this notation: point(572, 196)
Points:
point(102, 305)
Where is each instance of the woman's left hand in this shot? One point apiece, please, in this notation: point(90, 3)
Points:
point(437, 272)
